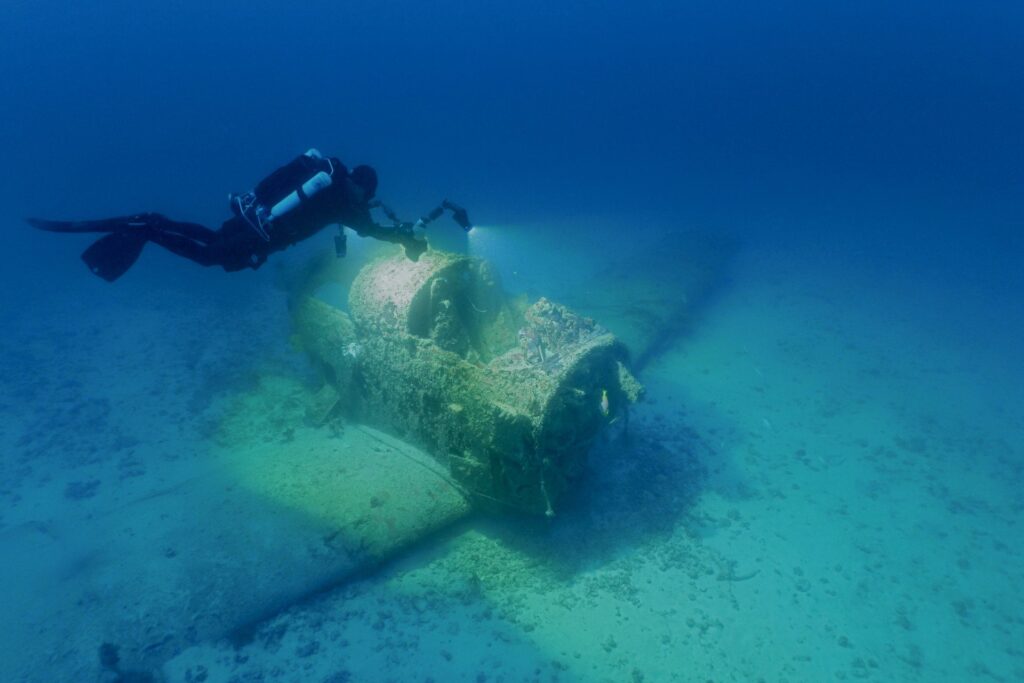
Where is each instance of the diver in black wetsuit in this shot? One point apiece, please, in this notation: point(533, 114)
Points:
point(293, 203)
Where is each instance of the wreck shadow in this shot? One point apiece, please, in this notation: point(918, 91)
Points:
point(675, 331)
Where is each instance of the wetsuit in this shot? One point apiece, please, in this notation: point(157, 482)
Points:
point(243, 241)
point(238, 244)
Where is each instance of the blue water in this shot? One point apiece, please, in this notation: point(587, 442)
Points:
point(865, 156)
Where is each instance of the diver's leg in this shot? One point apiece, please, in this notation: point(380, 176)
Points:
point(194, 250)
point(112, 255)
point(189, 240)
point(192, 231)
point(230, 251)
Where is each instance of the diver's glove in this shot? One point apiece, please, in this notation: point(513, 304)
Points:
point(414, 239)
point(414, 248)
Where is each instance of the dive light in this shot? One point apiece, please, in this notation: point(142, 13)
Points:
point(459, 215)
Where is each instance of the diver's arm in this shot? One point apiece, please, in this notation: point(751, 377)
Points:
point(385, 233)
point(366, 227)
point(397, 233)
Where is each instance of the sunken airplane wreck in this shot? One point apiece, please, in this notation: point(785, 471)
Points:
point(453, 396)
point(507, 397)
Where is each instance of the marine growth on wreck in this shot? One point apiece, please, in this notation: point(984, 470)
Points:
point(507, 395)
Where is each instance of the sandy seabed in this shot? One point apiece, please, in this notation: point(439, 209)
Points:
point(823, 483)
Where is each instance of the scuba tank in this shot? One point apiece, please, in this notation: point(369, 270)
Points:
point(308, 189)
point(285, 190)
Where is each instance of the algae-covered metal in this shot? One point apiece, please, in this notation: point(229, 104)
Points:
point(509, 396)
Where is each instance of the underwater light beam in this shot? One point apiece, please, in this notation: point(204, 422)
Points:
point(477, 236)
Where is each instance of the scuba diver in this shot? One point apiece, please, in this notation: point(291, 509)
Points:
point(293, 203)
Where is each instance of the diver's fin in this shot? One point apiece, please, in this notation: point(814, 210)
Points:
point(111, 256)
point(121, 223)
